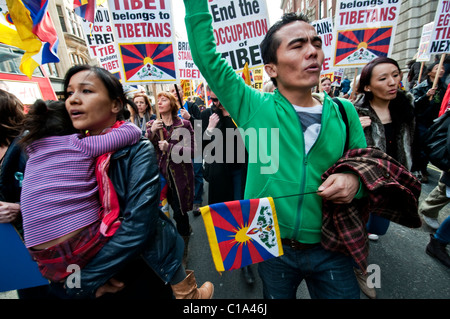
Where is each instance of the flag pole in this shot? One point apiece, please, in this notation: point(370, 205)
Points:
point(354, 84)
point(158, 116)
point(206, 93)
point(420, 72)
point(178, 95)
point(436, 78)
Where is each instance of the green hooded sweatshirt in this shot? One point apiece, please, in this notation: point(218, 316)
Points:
point(274, 138)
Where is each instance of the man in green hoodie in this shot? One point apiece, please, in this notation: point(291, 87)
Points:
point(310, 136)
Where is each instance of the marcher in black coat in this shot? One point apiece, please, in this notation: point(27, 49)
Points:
point(225, 172)
point(426, 112)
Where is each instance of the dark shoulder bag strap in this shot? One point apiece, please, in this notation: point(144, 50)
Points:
point(345, 118)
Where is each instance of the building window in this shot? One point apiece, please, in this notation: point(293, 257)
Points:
point(321, 10)
point(289, 6)
point(329, 8)
point(61, 18)
point(10, 60)
point(51, 69)
point(74, 25)
point(76, 59)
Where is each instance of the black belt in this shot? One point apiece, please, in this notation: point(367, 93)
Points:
point(296, 245)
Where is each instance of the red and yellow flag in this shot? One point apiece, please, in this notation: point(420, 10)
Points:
point(246, 75)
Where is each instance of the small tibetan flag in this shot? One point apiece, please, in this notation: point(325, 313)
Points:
point(164, 189)
point(85, 9)
point(241, 233)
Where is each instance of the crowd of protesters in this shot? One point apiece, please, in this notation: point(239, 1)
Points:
point(137, 250)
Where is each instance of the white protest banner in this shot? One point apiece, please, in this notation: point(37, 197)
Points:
point(99, 33)
point(239, 27)
point(364, 30)
point(144, 35)
point(324, 29)
point(423, 55)
point(108, 57)
point(187, 70)
point(440, 37)
point(100, 40)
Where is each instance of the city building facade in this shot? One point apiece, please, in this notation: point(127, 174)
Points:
point(72, 49)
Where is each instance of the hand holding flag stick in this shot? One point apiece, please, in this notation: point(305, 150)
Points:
point(300, 194)
point(436, 78)
point(158, 116)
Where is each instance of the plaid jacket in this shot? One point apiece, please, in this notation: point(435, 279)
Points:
point(393, 193)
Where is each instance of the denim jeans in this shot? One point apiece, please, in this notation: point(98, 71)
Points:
point(237, 184)
point(443, 232)
point(377, 225)
point(198, 182)
point(328, 275)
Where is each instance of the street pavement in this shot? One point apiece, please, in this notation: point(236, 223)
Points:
point(406, 271)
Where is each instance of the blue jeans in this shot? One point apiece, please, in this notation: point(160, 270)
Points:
point(198, 182)
point(443, 232)
point(237, 184)
point(328, 275)
point(377, 225)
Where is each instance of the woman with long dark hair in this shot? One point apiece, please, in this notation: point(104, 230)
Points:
point(145, 251)
point(387, 117)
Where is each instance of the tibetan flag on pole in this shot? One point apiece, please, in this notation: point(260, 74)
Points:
point(36, 32)
point(163, 194)
point(85, 9)
point(199, 90)
point(241, 233)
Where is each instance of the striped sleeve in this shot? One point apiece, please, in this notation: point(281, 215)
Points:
point(117, 138)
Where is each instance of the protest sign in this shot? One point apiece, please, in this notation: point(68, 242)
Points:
point(258, 76)
point(440, 37)
point(187, 70)
point(144, 33)
point(324, 29)
point(422, 54)
point(364, 30)
point(100, 40)
point(239, 27)
point(335, 76)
